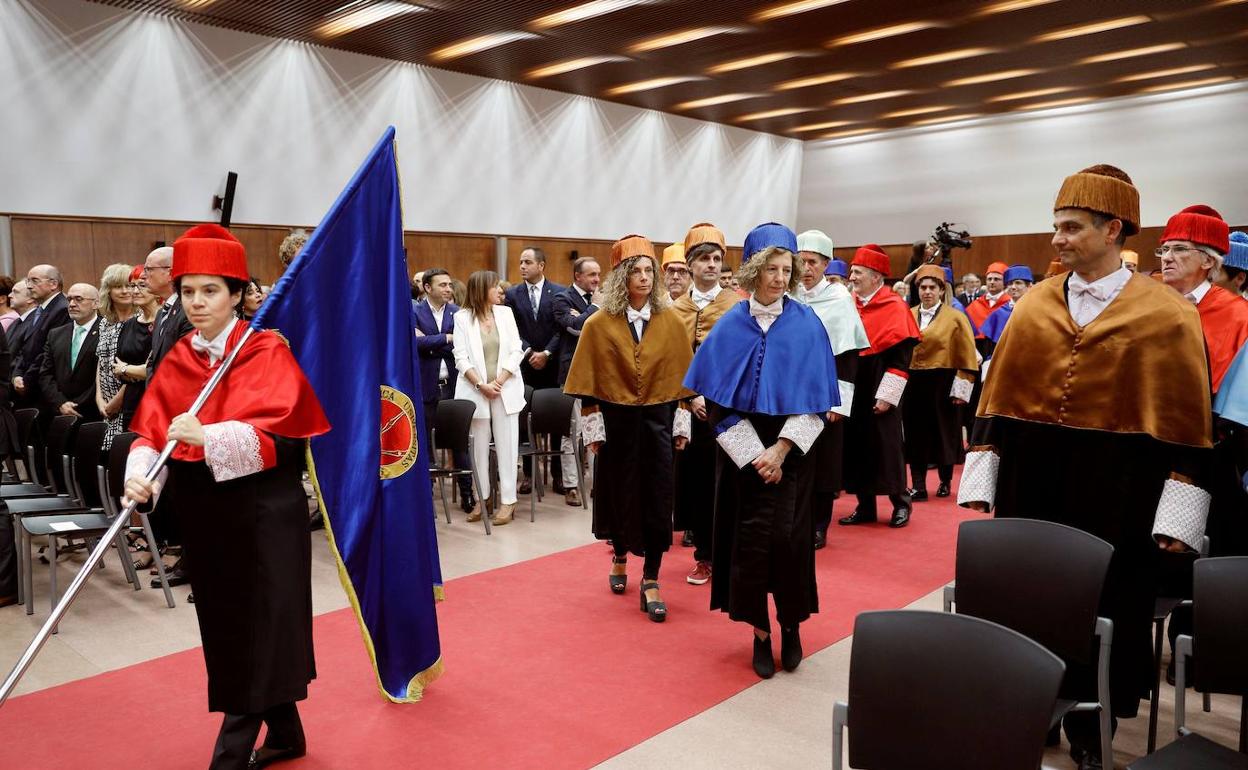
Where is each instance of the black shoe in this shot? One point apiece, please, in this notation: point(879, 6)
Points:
point(1054, 738)
point(316, 522)
point(790, 648)
point(1090, 762)
point(618, 582)
point(190, 598)
point(901, 517)
point(821, 539)
point(656, 610)
point(857, 517)
point(764, 663)
point(467, 502)
point(526, 487)
point(264, 756)
point(918, 495)
point(686, 540)
point(176, 578)
point(943, 489)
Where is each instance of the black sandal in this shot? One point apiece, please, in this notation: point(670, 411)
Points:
point(656, 610)
point(618, 582)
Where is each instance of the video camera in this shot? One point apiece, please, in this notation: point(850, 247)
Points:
point(946, 239)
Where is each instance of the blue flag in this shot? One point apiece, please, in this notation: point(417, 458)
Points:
point(345, 307)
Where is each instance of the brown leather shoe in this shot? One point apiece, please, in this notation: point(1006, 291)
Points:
point(572, 497)
point(504, 516)
point(475, 514)
point(525, 487)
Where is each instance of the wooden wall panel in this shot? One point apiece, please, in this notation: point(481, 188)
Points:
point(65, 244)
point(122, 242)
point(459, 255)
point(558, 256)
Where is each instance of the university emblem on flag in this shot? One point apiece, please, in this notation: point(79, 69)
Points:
point(398, 433)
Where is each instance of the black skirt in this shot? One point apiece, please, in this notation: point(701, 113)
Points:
point(633, 478)
point(932, 422)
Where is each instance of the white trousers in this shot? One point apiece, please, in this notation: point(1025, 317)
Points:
point(505, 429)
point(567, 445)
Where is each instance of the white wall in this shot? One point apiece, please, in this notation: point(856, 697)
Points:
point(112, 113)
point(1001, 175)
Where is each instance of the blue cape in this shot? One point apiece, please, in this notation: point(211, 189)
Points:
point(1232, 399)
point(994, 324)
point(790, 370)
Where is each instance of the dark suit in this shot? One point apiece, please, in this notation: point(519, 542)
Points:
point(967, 299)
point(171, 325)
point(569, 301)
point(60, 382)
point(433, 349)
point(538, 333)
point(17, 335)
point(42, 321)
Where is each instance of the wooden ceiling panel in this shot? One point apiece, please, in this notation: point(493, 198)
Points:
point(1213, 35)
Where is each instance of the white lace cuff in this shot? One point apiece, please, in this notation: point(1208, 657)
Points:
point(1181, 513)
point(962, 389)
point(139, 462)
point(682, 426)
point(979, 478)
point(593, 428)
point(891, 388)
point(802, 430)
point(232, 450)
point(847, 398)
point(741, 442)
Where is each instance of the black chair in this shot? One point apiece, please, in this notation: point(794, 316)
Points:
point(1220, 638)
point(1163, 605)
point(26, 483)
point(452, 431)
point(112, 480)
point(1044, 581)
point(933, 690)
point(549, 420)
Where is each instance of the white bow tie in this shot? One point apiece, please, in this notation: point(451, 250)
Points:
point(638, 315)
point(701, 297)
point(762, 311)
point(214, 349)
point(1097, 293)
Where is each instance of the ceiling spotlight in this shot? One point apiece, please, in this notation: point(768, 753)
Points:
point(1010, 5)
point(945, 119)
point(852, 132)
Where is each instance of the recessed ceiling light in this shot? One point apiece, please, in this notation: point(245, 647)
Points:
point(1091, 29)
point(991, 77)
point(851, 132)
point(938, 58)
point(753, 61)
point(570, 65)
point(680, 38)
point(1130, 52)
point(882, 32)
point(477, 44)
point(1010, 5)
point(815, 80)
point(1055, 103)
point(581, 12)
point(789, 9)
point(821, 126)
point(917, 111)
point(652, 83)
point(1187, 84)
point(356, 15)
point(868, 97)
point(767, 115)
point(1166, 73)
point(1031, 94)
point(945, 119)
point(711, 101)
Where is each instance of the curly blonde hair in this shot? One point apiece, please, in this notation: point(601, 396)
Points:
point(615, 288)
point(291, 245)
point(751, 268)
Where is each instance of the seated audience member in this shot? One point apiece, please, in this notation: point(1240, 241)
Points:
point(68, 364)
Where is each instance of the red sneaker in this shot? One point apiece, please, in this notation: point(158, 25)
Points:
point(701, 573)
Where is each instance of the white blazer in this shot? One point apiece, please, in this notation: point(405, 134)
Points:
point(469, 354)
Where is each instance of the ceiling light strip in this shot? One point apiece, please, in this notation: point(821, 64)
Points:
point(1093, 28)
point(1166, 73)
point(815, 80)
point(940, 58)
point(879, 33)
point(1187, 84)
point(991, 77)
point(1131, 52)
point(582, 12)
point(869, 97)
point(769, 114)
point(651, 84)
point(712, 101)
point(753, 61)
point(791, 9)
point(478, 44)
point(680, 38)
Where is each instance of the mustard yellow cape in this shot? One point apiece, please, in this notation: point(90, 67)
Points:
point(948, 342)
point(698, 323)
point(1138, 368)
point(609, 366)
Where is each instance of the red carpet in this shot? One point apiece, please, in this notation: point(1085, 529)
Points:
point(544, 667)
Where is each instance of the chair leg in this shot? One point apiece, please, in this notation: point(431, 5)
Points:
point(30, 572)
point(1155, 700)
point(52, 571)
point(21, 564)
point(442, 492)
point(127, 564)
point(1105, 630)
point(160, 564)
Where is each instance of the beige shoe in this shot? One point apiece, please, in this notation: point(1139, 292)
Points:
point(572, 497)
point(504, 516)
point(475, 514)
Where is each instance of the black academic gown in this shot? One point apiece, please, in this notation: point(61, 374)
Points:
point(932, 422)
point(764, 534)
point(874, 456)
point(248, 553)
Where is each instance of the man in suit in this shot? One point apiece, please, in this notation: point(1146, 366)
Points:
point(532, 301)
point(573, 306)
point(171, 321)
point(435, 326)
point(24, 304)
point(51, 311)
point(970, 289)
point(67, 376)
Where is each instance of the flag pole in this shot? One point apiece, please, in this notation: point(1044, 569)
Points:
point(110, 536)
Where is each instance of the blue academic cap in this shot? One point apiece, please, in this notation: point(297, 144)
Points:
point(770, 234)
point(1019, 272)
point(837, 267)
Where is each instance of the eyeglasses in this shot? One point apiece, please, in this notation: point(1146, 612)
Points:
point(149, 268)
point(37, 281)
point(75, 299)
point(1177, 251)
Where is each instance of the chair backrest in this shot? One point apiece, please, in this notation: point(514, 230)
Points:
point(551, 412)
point(25, 424)
point(28, 438)
point(934, 690)
point(1039, 578)
point(87, 454)
point(60, 435)
point(451, 424)
point(1220, 624)
point(117, 454)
